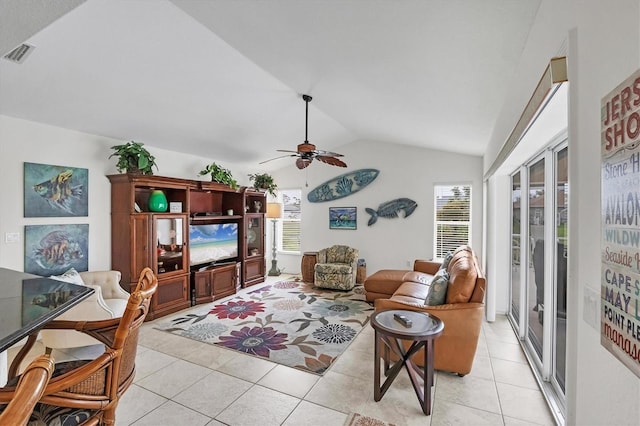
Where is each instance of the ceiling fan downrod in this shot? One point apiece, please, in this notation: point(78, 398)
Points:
point(306, 99)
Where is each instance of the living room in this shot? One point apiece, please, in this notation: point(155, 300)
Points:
point(581, 30)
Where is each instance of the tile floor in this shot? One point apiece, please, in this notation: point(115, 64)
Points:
point(180, 381)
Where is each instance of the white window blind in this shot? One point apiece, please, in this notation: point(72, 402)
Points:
point(452, 218)
point(290, 230)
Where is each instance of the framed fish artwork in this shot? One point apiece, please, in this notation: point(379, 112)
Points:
point(343, 218)
point(55, 191)
point(53, 249)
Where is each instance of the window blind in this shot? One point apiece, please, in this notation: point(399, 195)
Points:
point(452, 218)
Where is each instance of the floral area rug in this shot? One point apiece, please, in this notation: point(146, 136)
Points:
point(289, 322)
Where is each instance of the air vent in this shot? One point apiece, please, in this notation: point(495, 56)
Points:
point(19, 54)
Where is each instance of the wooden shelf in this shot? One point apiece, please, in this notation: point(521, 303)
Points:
point(134, 232)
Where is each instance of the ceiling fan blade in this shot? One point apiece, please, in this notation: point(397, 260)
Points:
point(277, 158)
point(327, 153)
point(331, 160)
point(286, 150)
point(302, 163)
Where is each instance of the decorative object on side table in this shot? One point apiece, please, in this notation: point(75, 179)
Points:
point(390, 209)
point(274, 212)
point(264, 181)
point(219, 174)
point(342, 185)
point(158, 201)
point(134, 158)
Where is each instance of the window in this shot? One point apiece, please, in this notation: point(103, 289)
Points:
point(290, 231)
point(452, 218)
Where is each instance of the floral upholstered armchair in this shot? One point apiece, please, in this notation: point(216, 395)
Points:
point(336, 268)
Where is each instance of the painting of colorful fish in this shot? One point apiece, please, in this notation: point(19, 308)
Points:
point(392, 209)
point(55, 191)
point(53, 249)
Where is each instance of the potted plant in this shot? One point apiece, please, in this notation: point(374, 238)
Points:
point(134, 158)
point(264, 181)
point(219, 174)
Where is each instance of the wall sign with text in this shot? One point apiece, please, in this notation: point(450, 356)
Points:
point(620, 239)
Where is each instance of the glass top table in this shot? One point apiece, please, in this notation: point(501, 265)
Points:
point(28, 302)
point(389, 334)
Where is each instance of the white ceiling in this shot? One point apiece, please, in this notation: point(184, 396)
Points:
point(223, 78)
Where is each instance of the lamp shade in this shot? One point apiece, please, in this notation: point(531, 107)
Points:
point(274, 210)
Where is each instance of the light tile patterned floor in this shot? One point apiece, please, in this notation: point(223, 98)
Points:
point(180, 381)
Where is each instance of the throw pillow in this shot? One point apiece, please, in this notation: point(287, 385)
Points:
point(438, 290)
point(71, 276)
point(446, 260)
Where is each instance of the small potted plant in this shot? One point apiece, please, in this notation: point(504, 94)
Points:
point(134, 158)
point(219, 174)
point(264, 181)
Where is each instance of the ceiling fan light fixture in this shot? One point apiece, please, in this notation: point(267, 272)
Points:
point(306, 151)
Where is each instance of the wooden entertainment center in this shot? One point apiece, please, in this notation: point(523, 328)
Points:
point(160, 240)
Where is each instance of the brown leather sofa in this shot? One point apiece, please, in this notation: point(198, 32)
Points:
point(462, 313)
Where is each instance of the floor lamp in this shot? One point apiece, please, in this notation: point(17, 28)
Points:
point(274, 212)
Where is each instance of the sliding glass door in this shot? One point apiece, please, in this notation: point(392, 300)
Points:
point(516, 248)
point(536, 276)
point(539, 252)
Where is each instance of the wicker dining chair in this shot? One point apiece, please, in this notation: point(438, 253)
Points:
point(30, 388)
point(87, 392)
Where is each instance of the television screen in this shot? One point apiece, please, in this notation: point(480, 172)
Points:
point(212, 242)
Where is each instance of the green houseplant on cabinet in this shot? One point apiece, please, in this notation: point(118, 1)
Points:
point(219, 174)
point(264, 181)
point(134, 158)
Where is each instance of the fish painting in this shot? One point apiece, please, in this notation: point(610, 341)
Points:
point(391, 209)
point(59, 192)
point(57, 250)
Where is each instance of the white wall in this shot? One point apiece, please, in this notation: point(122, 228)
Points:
point(602, 41)
point(390, 243)
point(599, 59)
point(25, 141)
point(405, 171)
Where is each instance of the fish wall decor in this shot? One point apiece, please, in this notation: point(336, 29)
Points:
point(53, 249)
point(55, 191)
point(391, 209)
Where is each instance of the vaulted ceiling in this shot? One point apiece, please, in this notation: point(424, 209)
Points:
point(223, 78)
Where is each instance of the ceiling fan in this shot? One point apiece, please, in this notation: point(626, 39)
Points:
point(307, 151)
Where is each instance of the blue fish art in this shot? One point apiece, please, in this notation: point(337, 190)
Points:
point(59, 191)
point(391, 209)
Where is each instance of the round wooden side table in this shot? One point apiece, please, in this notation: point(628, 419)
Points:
point(309, 260)
point(389, 334)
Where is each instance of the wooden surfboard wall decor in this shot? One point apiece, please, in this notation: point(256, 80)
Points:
point(342, 186)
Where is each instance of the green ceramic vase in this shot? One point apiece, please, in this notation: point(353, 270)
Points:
point(158, 201)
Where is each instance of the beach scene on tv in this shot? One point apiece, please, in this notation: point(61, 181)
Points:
point(212, 242)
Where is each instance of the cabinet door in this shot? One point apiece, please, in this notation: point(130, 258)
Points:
point(141, 253)
point(169, 232)
point(171, 296)
point(224, 281)
point(254, 235)
point(202, 284)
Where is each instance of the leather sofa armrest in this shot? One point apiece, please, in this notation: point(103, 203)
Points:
point(388, 304)
point(426, 266)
